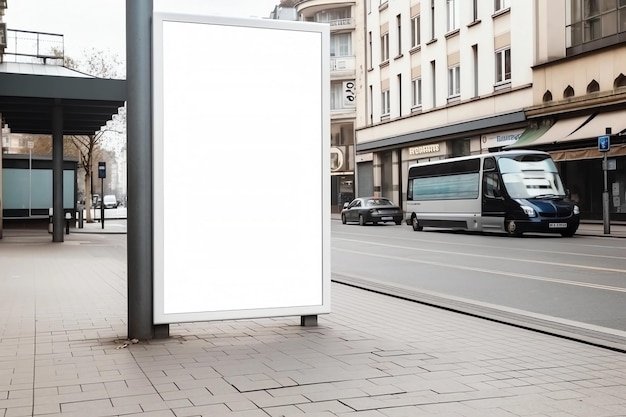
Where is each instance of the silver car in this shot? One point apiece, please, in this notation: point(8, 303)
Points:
point(371, 210)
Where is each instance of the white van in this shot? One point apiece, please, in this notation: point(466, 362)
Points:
point(110, 201)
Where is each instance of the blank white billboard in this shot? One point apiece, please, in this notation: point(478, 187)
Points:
point(241, 168)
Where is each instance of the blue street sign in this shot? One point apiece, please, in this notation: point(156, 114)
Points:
point(604, 143)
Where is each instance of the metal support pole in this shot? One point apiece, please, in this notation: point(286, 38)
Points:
point(606, 213)
point(58, 217)
point(139, 131)
point(102, 202)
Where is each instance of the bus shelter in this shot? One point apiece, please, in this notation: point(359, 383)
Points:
point(54, 100)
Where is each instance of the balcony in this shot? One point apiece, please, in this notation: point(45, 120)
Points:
point(341, 24)
point(24, 46)
point(340, 65)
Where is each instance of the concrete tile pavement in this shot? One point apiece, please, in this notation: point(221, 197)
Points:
point(63, 353)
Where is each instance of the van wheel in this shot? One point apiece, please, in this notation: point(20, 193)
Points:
point(511, 228)
point(416, 225)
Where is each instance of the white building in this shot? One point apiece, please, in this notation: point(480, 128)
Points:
point(345, 20)
point(443, 78)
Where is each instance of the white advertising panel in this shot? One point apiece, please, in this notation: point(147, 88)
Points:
point(241, 168)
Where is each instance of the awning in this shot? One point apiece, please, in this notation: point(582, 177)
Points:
point(573, 129)
point(587, 153)
point(529, 135)
point(561, 130)
point(596, 125)
point(544, 135)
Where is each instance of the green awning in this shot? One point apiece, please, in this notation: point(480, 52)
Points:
point(529, 136)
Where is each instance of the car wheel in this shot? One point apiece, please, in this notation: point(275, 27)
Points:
point(416, 225)
point(568, 233)
point(511, 228)
point(361, 220)
point(399, 222)
point(343, 218)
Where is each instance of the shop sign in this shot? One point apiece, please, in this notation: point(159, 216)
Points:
point(424, 149)
point(496, 140)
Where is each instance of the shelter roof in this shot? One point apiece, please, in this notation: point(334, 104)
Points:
point(29, 93)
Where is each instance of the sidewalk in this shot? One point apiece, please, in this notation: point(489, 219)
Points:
point(585, 228)
point(63, 352)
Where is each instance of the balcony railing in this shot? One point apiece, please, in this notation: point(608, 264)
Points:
point(348, 21)
point(342, 63)
point(34, 47)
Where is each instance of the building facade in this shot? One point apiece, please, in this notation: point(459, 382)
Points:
point(579, 91)
point(345, 20)
point(444, 78)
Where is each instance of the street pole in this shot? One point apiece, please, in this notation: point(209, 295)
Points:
point(606, 214)
point(102, 202)
point(30, 178)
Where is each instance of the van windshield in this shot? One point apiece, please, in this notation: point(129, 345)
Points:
point(535, 177)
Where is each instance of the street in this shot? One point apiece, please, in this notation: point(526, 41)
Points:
point(545, 282)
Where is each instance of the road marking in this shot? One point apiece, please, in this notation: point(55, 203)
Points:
point(430, 241)
point(593, 268)
point(490, 271)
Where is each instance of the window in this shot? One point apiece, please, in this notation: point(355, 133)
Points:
point(503, 65)
point(501, 4)
point(432, 19)
point(336, 96)
point(399, 77)
point(433, 87)
point(416, 38)
point(399, 33)
point(385, 103)
point(454, 81)
point(384, 47)
point(341, 45)
point(491, 185)
point(416, 92)
point(369, 50)
point(476, 68)
point(334, 16)
point(595, 19)
point(453, 22)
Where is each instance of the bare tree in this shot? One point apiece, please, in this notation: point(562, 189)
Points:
point(87, 146)
point(103, 65)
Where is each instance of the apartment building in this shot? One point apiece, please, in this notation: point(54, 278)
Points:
point(579, 90)
point(442, 78)
point(345, 20)
point(446, 78)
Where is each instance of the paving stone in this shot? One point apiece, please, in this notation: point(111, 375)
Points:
point(373, 356)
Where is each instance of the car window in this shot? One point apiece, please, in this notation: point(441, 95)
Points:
point(379, 202)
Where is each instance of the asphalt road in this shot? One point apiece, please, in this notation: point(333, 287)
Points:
point(544, 282)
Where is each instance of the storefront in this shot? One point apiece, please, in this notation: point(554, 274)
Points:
point(382, 165)
point(573, 144)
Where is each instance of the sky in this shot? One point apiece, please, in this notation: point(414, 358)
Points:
point(100, 24)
